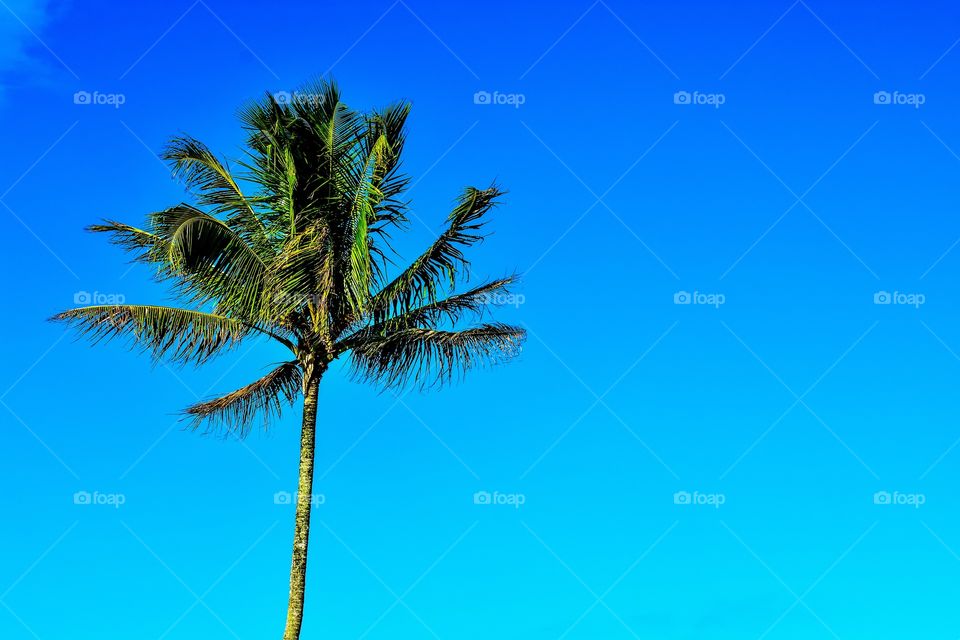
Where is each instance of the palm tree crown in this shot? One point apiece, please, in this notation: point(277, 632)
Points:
point(304, 259)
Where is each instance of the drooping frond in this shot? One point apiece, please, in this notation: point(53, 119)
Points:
point(427, 357)
point(177, 335)
point(234, 412)
point(205, 258)
point(217, 263)
point(440, 265)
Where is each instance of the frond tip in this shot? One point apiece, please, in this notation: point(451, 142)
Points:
point(234, 412)
point(429, 357)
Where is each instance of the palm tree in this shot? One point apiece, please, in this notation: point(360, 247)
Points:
point(304, 260)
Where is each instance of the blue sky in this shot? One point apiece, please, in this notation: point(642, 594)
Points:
point(735, 415)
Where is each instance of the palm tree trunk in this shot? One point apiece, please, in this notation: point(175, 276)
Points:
point(301, 534)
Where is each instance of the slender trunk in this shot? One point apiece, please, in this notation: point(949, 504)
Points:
point(301, 534)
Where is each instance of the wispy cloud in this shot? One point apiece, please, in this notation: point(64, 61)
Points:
point(25, 53)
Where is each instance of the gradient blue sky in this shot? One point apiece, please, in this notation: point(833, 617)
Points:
point(799, 398)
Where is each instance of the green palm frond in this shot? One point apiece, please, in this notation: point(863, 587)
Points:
point(219, 265)
point(474, 302)
point(427, 357)
point(386, 137)
point(215, 187)
point(270, 165)
point(339, 189)
point(389, 124)
point(301, 279)
point(146, 246)
point(439, 266)
point(452, 309)
point(205, 258)
point(178, 335)
point(235, 412)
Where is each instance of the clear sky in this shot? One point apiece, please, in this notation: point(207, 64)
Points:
point(774, 459)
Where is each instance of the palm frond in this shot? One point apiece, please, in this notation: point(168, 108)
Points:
point(215, 187)
point(450, 310)
point(205, 258)
point(439, 266)
point(428, 357)
point(234, 412)
point(302, 279)
point(390, 125)
point(167, 333)
point(146, 246)
point(270, 165)
point(386, 131)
